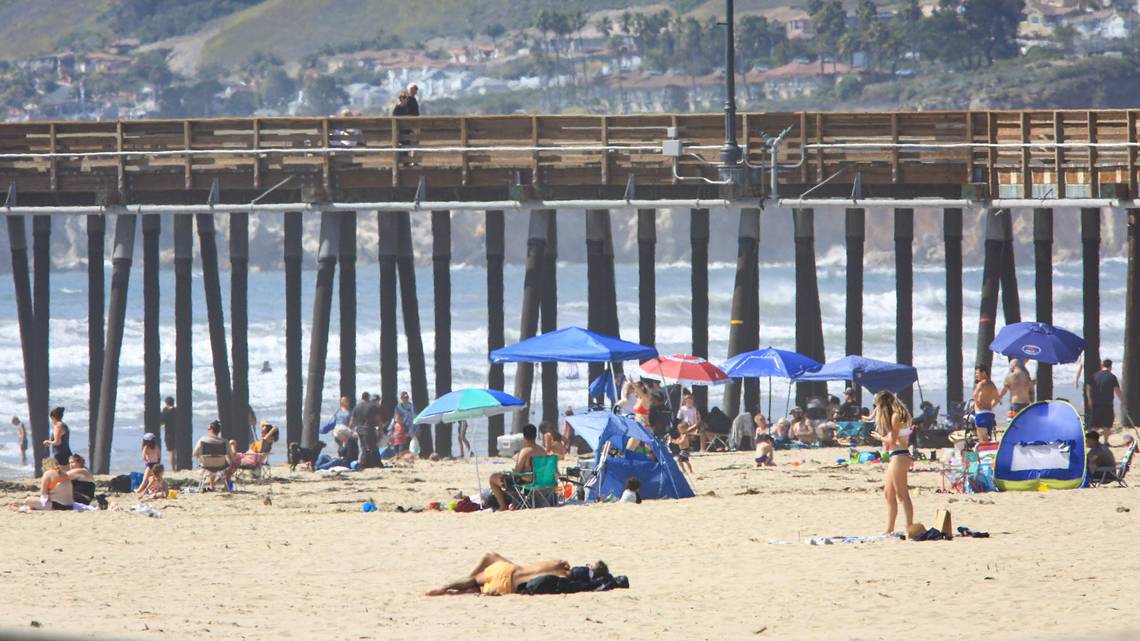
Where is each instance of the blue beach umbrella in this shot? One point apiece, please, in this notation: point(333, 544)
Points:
point(463, 404)
point(769, 363)
point(1041, 342)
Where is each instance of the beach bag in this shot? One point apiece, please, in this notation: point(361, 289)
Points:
point(121, 484)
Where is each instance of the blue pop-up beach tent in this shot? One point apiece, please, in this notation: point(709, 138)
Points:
point(572, 345)
point(1044, 447)
point(660, 479)
point(873, 375)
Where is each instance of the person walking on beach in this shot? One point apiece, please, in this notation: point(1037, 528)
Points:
point(22, 438)
point(985, 399)
point(60, 441)
point(1019, 385)
point(892, 429)
point(1098, 397)
point(168, 419)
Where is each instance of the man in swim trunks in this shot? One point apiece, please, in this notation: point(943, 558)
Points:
point(985, 399)
point(1019, 385)
point(524, 465)
point(497, 576)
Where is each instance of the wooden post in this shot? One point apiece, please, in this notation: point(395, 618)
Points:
point(596, 316)
point(952, 237)
point(208, 250)
point(1043, 277)
point(856, 232)
point(294, 380)
point(389, 351)
point(441, 281)
point(152, 356)
point(743, 291)
point(121, 259)
point(647, 276)
point(532, 297)
point(548, 315)
point(96, 241)
point(184, 341)
point(809, 321)
point(21, 280)
point(319, 337)
point(495, 245)
point(347, 300)
point(1090, 294)
point(991, 277)
point(904, 294)
point(1131, 369)
point(239, 326)
point(409, 304)
point(699, 239)
point(752, 322)
point(1010, 297)
point(41, 303)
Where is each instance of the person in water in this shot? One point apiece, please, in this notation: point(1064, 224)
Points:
point(893, 429)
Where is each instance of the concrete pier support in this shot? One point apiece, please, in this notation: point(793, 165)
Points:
point(184, 341)
point(389, 350)
point(699, 239)
point(647, 276)
point(855, 223)
point(596, 314)
point(741, 337)
point(294, 378)
point(208, 250)
point(532, 297)
point(1043, 281)
point(41, 303)
point(121, 259)
point(21, 281)
point(319, 337)
point(1010, 296)
point(346, 297)
point(96, 292)
point(239, 326)
point(992, 266)
point(409, 305)
point(152, 356)
point(495, 246)
point(441, 285)
point(548, 315)
point(952, 238)
point(1090, 291)
point(904, 295)
point(809, 322)
point(1131, 369)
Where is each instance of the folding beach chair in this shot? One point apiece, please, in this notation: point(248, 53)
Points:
point(214, 461)
point(1118, 473)
point(255, 465)
point(542, 488)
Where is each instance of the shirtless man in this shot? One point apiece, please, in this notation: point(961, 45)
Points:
point(497, 576)
point(1019, 386)
point(523, 465)
point(985, 399)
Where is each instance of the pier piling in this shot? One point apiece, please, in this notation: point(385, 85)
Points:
point(152, 356)
point(208, 251)
point(441, 286)
point(494, 230)
point(121, 259)
point(96, 291)
point(346, 297)
point(699, 239)
point(952, 239)
point(294, 379)
point(1043, 282)
point(531, 300)
point(21, 280)
point(743, 292)
point(904, 295)
point(319, 336)
point(647, 276)
point(809, 322)
point(548, 315)
point(184, 341)
point(409, 305)
point(1090, 292)
point(389, 356)
point(239, 326)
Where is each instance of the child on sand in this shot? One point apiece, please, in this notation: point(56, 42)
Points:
point(154, 485)
point(679, 448)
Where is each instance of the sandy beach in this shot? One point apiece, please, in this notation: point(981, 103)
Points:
point(308, 563)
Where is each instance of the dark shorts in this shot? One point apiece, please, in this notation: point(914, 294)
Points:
point(1017, 407)
point(168, 439)
point(985, 419)
point(63, 458)
point(683, 456)
point(59, 506)
point(1102, 418)
point(24, 445)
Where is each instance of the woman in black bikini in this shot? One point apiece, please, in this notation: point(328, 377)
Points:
point(893, 429)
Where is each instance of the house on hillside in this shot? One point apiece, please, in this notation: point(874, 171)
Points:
point(796, 21)
point(669, 92)
point(797, 79)
point(1106, 24)
point(103, 62)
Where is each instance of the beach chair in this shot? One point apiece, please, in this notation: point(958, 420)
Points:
point(542, 489)
point(214, 461)
point(1117, 474)
point(255, 465)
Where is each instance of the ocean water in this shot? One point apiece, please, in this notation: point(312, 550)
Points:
point(68, 357)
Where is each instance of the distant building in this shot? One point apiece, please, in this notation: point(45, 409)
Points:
point(798, 79)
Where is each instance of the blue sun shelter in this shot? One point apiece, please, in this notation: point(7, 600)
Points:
point(609, 434)
point(1044, 448)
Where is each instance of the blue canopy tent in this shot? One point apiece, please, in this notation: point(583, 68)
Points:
point(660, 478)
point(874, 375)
point(572, 345)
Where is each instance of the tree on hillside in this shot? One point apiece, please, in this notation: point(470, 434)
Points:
point(830, 23)
point(991, 27)
point(323, 96)
point(494, 31)
point(872, 35)
point(277, 89)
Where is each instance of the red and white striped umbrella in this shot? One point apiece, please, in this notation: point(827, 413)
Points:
point(683, 369)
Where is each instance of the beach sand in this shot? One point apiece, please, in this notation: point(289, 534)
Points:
point(1058, 565)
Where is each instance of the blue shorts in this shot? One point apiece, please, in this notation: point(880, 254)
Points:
point(985, 419)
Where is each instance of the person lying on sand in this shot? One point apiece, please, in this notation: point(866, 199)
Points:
point(497, 576)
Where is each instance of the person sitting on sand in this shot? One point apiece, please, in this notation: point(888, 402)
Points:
point(552, 440)
point(765, 450)
point(77, 469)
point(632, 492)
point(347, 451)
point(1099, 458)
point(800, 428)
point(214, 436)
point(55, 489)
point(155, 484)
point(985, 400)
point(892, 429)
point(524, 466)
point(780, 433)
point(495, 575)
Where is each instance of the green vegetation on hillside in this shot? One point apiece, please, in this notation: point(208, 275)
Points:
point(151, 20)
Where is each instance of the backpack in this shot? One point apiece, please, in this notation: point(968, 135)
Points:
point(121, 484)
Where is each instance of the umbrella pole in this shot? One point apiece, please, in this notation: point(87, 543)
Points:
point(479, 477)
point(788, 399)
point(769, 398)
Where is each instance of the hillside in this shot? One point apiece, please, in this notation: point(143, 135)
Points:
point(32, 27)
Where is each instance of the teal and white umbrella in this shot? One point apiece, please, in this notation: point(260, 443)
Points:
point(463, 404)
